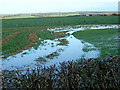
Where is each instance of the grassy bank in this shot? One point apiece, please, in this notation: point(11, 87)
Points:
point(92, 73)
point(106, 40)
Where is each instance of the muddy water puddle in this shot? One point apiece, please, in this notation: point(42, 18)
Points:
point(57, 50)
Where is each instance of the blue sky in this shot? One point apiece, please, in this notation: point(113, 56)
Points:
point(41, 6)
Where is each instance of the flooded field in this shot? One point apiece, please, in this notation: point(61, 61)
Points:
point(58, 50)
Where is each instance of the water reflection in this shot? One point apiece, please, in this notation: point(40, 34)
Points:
point(57, 50)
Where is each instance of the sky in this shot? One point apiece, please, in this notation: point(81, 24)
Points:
point(43, 6)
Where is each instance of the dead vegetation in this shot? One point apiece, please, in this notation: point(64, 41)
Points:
point(91, 73)
point(52, 55)
point(63, 42)
point(60, 34)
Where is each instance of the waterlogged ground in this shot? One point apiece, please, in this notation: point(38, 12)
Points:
point(57, 50)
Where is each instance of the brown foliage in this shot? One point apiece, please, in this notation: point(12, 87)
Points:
point(92, 73)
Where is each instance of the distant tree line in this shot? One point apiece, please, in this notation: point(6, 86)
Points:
point(115, 14)
point(44, 14)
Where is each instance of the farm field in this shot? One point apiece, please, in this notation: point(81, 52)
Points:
point(14, 29)
point(58, 21)
point(55, 39)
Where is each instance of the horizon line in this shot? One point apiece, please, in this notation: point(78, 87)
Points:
point(59, 12)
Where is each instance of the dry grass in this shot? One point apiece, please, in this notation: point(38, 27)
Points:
point(92, 73)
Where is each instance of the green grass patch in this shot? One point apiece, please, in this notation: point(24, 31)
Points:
point(61, 15)
point(15, 17)
point(19, 41)
point(40, 60)
point(15, 43)
point(5, 34)
point(58, 21)
point(88, 48)
point(105, 39)
point(45, 35)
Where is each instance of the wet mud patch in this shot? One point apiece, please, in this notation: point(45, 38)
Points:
point(52, 55)
point(59, 34)
point(32, 37)
point(24, 53)
point(63, 42)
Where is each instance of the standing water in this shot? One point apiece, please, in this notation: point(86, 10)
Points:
point(53, 52)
